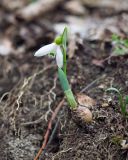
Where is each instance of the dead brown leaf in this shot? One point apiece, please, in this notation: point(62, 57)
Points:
point(85, 100)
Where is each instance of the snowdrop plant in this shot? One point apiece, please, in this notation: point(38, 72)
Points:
point(58, 49)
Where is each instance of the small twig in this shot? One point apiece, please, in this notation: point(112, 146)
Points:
point(91, 84)
point(33, 122)
point(49, 129)
point(51, 137)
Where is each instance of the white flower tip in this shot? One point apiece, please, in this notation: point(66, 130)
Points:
point(45, 50)
point(40, 52)
point(36, 54)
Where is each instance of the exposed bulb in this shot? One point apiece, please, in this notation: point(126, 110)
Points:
point(84, 113)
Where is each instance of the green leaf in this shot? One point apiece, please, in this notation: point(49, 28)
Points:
point(63, 80)
point(122, 104)
point(115, 37)
point(121, 101)
point(126, 43)
point(64, 37)
point(71, 99)
point(119, 51)
point(66, 88)
point(126, 100)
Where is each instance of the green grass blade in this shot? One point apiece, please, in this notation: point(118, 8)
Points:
point(63, 80)
point(64, 37)
point(126, 100)
point(114, 89)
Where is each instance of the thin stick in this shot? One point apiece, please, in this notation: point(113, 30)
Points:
point(49, 129)
point(91, 84)
point(51, 137)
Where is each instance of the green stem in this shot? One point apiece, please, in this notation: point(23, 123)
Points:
point(64, 61)
point(71, 99)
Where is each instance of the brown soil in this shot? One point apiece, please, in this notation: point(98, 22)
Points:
point(27, 101)
point(21, 140)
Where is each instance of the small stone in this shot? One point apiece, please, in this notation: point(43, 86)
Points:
point(105, 105)
point(124, 144)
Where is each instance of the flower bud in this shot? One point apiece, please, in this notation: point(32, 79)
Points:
point(58, 40)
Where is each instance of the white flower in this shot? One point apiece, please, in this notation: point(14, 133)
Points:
point(51, 48)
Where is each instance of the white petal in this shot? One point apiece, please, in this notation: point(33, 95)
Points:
point(59, 57)
point(46, 50)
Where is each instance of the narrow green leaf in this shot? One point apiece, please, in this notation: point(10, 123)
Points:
point(126, 100)
point(113, 89)
point(63, 80)
point(71, 99)
point(126, 103)
point(121, 101)
point(122, 104)
point(64, 37)
point(67, 90)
